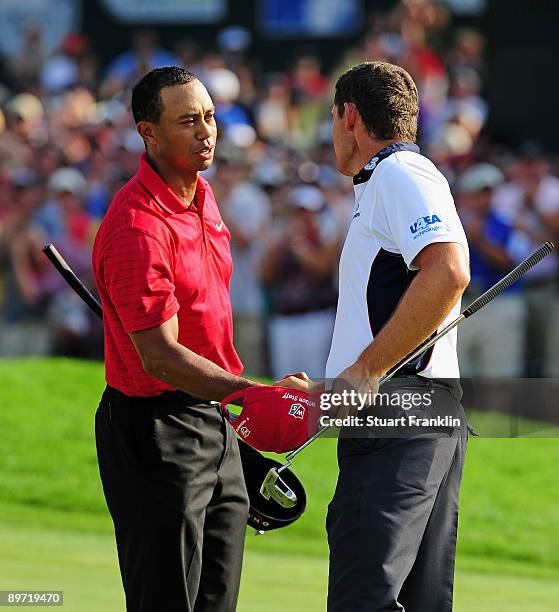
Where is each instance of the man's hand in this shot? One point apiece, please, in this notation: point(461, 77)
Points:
point(363, 385)
point(298, 381)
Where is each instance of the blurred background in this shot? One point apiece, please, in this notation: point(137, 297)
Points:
point(485, 71)
point(67, 143)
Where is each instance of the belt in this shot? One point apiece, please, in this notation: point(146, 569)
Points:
point(291, 312)
point(189, 400)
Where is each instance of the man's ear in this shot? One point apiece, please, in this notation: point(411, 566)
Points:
point(146, 129)
point(350, 116)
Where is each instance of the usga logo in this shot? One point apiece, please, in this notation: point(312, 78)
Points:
point(244, 431)
point(423, 223)
point(297, 411)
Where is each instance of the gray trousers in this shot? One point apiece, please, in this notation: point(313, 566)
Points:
point(174, 486)
point(393, 520)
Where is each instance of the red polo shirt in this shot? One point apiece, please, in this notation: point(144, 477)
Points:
point(155, 257)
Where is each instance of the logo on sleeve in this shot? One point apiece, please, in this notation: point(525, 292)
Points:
point(424, 225)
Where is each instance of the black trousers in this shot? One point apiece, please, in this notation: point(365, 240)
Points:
point(174, 486)
point(393, 520)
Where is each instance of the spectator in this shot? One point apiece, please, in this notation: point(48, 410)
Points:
point(225, 88)
point(298, 271)
point(22, 330)
point(60, 71)
point(62, 216)
point(530, 201)
point(73, 64)
point(273, 114)
point(60, 117)
point(234, 42)
point(24, 132)
point(246, 211)
point(491, 345)
point(307, 85)
point(467, 51)
point(128, 67)
point(23, 68)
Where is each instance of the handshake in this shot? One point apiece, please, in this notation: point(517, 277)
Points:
point(350, 382)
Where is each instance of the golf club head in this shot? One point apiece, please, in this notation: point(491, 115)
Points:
point(273, 487)
point(267, 514)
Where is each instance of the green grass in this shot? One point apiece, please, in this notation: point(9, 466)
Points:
point(55, 530)
point(84, 566)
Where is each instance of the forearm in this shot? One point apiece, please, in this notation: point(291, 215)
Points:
point(425, 305)
point(22, 270)
point(185, 370)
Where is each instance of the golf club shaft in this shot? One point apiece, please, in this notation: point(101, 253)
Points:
point(543, 251)
point(68, 275)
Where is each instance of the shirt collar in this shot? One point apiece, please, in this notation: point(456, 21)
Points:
point(365, 173)
point(163, 194)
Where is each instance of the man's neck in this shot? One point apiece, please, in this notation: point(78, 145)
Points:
point(182, 185)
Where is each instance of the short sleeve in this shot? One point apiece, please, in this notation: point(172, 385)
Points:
point(418, 209)
point(139, 280)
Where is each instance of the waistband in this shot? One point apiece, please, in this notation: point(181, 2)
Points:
point(292, 312)
point(452, 385)
point(115, 395)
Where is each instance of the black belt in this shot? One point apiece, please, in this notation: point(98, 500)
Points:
point(288, 312)
point(177, 395)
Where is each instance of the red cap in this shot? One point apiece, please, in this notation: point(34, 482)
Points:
point(273, 419)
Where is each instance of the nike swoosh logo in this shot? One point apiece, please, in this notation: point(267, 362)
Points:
point(219, 226)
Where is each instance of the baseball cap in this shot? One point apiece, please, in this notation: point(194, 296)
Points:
point(269, 173)
point(273, 419)
point(67, 180)
point(307, 197)
point(480, 176)
point(26, 106)
point(223, 84)
point(24, 177)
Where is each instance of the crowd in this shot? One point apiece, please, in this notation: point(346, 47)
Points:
point(67, 143)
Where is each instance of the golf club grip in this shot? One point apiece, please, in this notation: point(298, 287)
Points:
point(543, 251)
point(68, 275)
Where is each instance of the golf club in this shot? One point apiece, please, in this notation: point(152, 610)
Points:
point(275, 488)
point(270, 487)
point(66, 272)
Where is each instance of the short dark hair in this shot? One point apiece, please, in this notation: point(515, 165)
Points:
point(146, 94)
point(385, 96)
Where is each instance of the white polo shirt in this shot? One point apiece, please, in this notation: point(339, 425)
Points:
point(402, 204)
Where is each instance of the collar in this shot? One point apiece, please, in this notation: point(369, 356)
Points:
point(365, 173)
point(163, 194)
